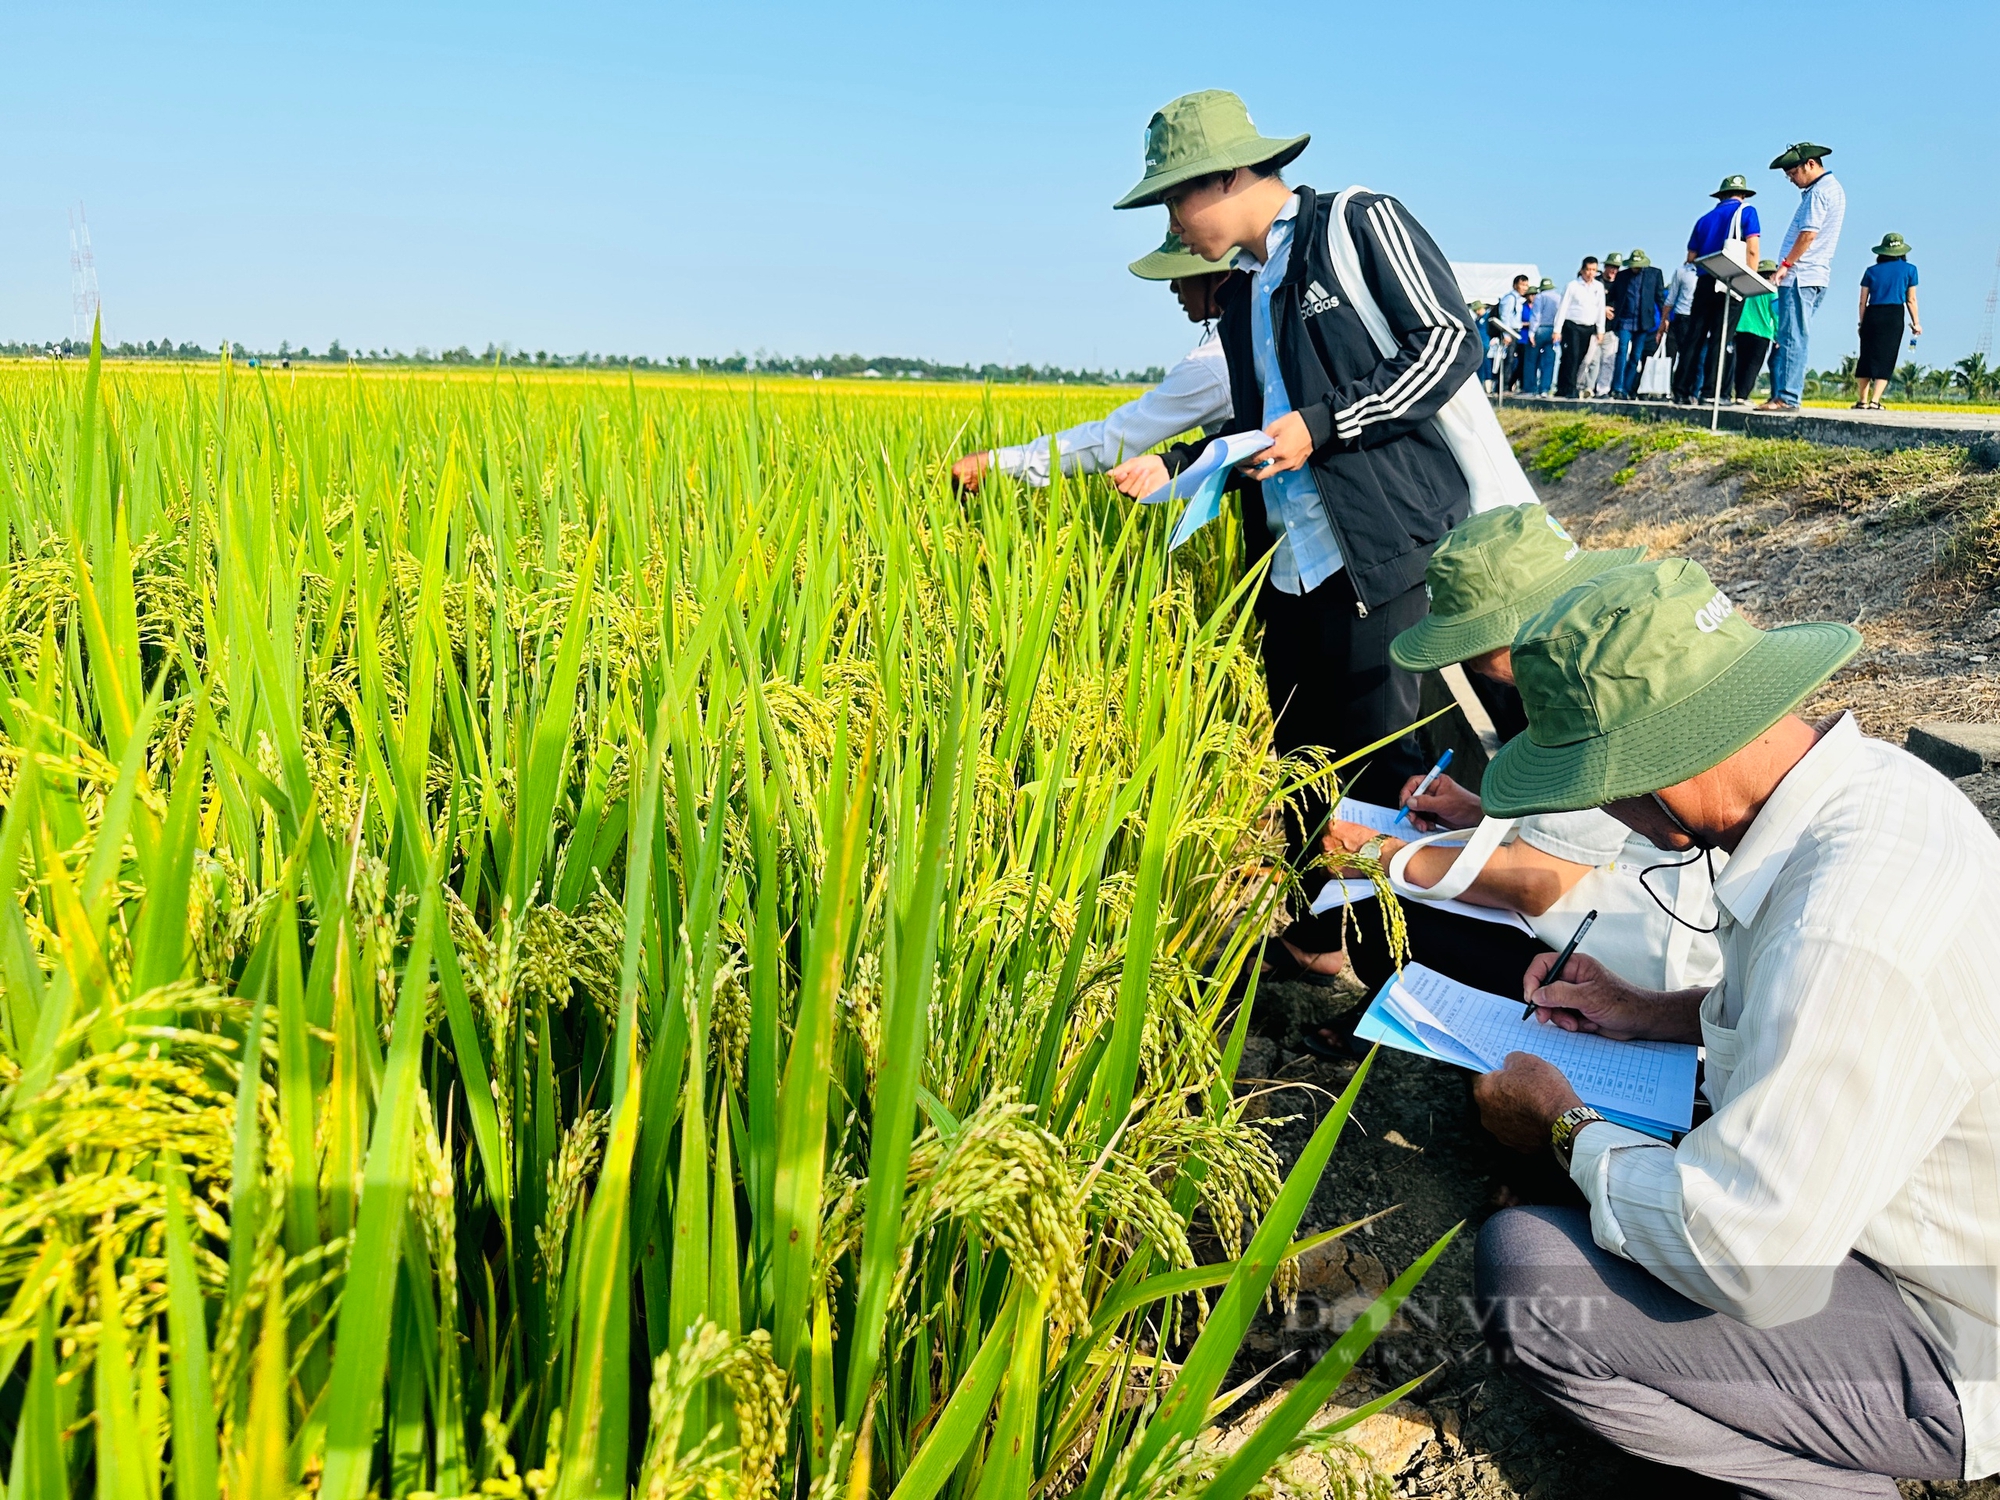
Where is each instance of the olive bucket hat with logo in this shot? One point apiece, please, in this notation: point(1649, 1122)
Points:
point(1174, 260)
point(1198, 134)
point(1734, 186)
point(1491, 572)
point(1892, 244)
point(1641, 678)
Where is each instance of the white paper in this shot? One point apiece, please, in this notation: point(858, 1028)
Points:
point(1218, 456)
point(1368, 814)
point(1344, 892)
point(1649, 1080)
point(1383, 820)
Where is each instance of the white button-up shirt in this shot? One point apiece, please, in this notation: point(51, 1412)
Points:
point(1854, 1064)
point(1194, 394)
point(1582, 302)
point(1306, 552)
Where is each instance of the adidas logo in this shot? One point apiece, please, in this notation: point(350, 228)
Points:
point(1319, 300)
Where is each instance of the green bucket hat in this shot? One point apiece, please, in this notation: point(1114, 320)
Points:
point(1202, 133)
point(1614, 261)
point(1641, 678)
point(1734, 183)
point(1546, 286)
point(1766, 266)
point(1491, 572)
point(1892, 244)
point(1798, 153)
point(1638, 260)
point(1174, 260)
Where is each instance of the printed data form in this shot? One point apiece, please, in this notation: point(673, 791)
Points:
point(1647, 1080)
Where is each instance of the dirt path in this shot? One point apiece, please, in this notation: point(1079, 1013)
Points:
point(1894, 543)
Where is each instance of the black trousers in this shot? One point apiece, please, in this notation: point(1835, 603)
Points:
point(1695, 372)
point(1333, 688)
point(1576, 344)
point(1746, 362)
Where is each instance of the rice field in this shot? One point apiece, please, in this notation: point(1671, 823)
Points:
point(585, 936)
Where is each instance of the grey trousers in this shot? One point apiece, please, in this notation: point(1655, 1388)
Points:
point(1830, 1405)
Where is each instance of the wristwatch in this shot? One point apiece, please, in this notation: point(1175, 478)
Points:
point(1373, 848)
point(1562, 1134)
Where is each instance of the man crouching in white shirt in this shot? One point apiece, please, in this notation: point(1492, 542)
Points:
point(1194, 394)
point(1799, 1298)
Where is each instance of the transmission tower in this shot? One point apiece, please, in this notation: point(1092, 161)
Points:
point(1986, 322)
point(83, 301)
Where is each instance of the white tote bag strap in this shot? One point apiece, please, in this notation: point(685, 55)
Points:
point(1488, 836)
point(1476, 716)
point(1347, 266)
point(1493, 475)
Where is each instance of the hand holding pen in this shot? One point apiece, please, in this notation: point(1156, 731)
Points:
point(1555, 973)
point(1443, 763)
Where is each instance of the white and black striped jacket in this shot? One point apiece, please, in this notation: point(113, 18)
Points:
point(1390, 486)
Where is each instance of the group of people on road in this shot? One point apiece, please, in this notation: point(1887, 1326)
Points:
point(1799, 1295)
point(1597, 335)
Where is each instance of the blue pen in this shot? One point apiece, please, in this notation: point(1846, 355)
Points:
point(1424, 785)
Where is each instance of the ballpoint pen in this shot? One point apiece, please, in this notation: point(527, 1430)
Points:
point(1562, 958)
point(1423, 786)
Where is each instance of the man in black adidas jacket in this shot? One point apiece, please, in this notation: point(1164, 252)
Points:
point(1358, 486)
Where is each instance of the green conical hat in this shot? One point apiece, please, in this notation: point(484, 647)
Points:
point(1641, 678)
point(1734, 183)
point(1174, 260)
point(1797, 154)
point(1201, 133)
point(1892, 244)
point(1491, 572)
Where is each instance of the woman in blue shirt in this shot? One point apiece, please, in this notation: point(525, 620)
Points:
point(1885, 287)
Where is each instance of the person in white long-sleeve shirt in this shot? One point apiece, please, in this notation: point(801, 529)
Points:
point(1802, 1297)
point(1193, 395)
point(1579, 322)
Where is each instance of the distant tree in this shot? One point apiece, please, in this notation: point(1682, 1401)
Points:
point(1974, 378)
point(334, 351)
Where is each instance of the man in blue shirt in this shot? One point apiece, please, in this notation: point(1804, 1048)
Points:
point(1732, 218)
point(1509, 315)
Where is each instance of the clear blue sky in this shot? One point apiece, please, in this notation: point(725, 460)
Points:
point(928, 179)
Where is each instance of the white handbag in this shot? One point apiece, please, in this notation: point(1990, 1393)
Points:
point(1656, 376)
point(1467, 423)
point(1736, 247)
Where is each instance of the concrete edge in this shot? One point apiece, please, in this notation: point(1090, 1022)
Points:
point(1881, 433)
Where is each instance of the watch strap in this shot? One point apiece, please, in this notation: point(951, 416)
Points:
point(1562, 1134)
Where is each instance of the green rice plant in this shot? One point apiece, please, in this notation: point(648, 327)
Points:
point(581, 938)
